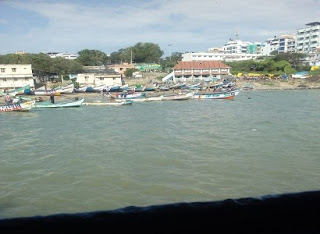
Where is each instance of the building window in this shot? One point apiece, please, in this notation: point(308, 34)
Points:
point(15, 79)
point(26, 79)
point(3, 69)
point(101, 78)
point(14, 69)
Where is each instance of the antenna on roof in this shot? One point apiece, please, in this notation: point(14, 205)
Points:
point(237, 35)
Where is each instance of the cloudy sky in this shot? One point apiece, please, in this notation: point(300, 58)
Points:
point(108, 25)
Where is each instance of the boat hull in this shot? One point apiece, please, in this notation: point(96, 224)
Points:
point(217, 95)
point(108, 103)
point(25, 106)
point(77, 103)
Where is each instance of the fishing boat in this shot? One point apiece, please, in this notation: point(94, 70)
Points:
point(177, 97)
point(24, 106)
point(66, 89)
point(217, 95)
point(194, 86)
point(109, 103)
point(178, 85)
point(114, 88)
point(22, 90)
point(129, 95)
point(96, 89)
point(12, 94)
point(81, 89)
point(46, 92)
point(76, 103)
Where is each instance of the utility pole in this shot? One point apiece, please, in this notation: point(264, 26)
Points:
point(170, 50)
point(131, 58)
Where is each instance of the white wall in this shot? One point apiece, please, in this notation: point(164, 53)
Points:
point(16, 75)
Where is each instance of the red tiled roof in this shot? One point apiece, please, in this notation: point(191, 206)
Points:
point(200, 65)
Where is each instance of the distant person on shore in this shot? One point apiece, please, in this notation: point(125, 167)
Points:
point(52, 98)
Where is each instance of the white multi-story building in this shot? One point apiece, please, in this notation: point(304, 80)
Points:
point(287, 44)
point(16, 76)
point(233, 50)
point(205, 56)
point(235, 47)
point(271, 44)
point(308, 38)
point(63, 55)
point(283, 44)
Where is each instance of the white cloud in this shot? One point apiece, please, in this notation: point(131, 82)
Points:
point(187, 24)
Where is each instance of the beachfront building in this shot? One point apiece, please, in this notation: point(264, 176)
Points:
point(97, 77)
point(235, 47)
point(233, 50)
point(191, 71)
point(287, 44)
point(14, 76)
point(308, 38)
point(271, 44)
point(283, 44)
point(207, 56)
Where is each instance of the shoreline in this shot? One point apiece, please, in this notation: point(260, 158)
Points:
point(256, 85)
point(95, 96)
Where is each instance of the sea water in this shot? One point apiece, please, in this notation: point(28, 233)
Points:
point(104, 157)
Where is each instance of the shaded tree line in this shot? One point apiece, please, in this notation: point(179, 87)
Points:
point(286, 63)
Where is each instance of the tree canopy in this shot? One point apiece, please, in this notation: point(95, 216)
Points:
point(92, 57)
point(140, 53)
point(287, 63)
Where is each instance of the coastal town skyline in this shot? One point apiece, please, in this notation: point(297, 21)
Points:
point(176, 26)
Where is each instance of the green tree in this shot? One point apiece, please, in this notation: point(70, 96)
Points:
point(293, 58)
point(128, 72)
point(92, 57)
point(147, 52)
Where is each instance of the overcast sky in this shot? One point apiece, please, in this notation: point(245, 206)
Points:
point(108, 25)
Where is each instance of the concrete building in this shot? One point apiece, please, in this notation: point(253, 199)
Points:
point(191, 71)
point(205, 56)
point(235, 47)
point(308, 38)
point(282, 44)
point(121, 68)
point(97, 77)
point(287, 44)
point(14, 76)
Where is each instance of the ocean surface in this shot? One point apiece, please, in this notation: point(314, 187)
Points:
point(103, 157)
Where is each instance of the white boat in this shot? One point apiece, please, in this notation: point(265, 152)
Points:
point(45, 93)
point(155, 98)
point(179, 96)
point(75, 103)
point(130, 95)
point(110, 103)
point(99, 87)
point(81, 89)
point(66, 89)
point(217, 95)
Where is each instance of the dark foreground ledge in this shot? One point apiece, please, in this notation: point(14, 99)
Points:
point(284, 213)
